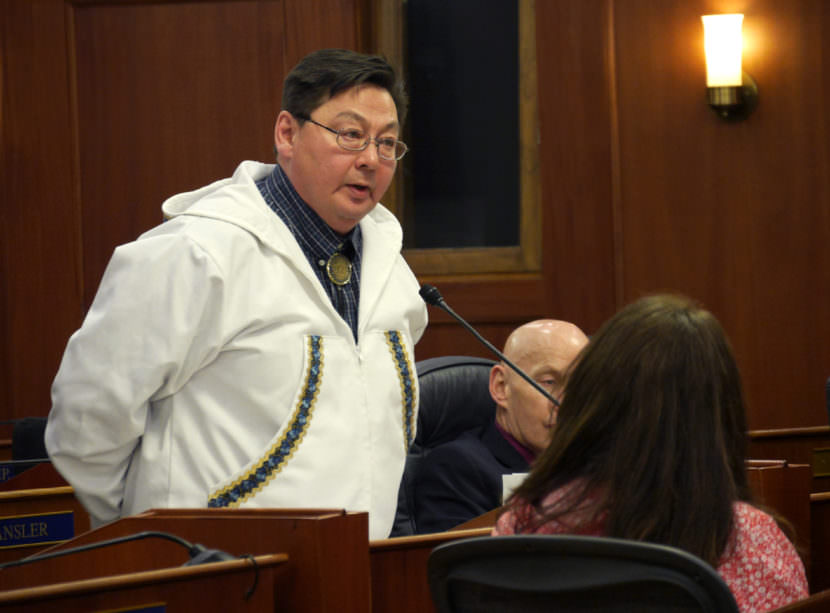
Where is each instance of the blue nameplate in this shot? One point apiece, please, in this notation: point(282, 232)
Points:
point(6, 471)
point(43, 528)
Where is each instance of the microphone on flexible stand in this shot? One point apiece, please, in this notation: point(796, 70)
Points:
point(199, 554)
point(432, 296)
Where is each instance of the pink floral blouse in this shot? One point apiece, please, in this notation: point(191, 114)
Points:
point(761, 566)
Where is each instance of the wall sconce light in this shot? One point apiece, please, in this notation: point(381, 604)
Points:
point(731, 92)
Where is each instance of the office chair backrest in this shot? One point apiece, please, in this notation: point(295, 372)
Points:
point(454, 397)
point(28, 442)
point(529, 573)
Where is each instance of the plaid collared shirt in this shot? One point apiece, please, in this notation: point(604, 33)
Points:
point(317, 241)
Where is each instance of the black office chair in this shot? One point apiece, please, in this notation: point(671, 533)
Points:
point(454, 397)
point(530, 573)
point(28, 442)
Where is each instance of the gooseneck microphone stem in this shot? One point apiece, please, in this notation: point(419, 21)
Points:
point(432, 296)
point(194, 550)
point(22, 462)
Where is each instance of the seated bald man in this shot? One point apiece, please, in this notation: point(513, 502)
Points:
point(462, 479)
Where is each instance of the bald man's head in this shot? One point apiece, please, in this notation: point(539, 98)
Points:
point(543, 349)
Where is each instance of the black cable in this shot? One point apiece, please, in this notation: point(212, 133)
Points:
point(195, 551)
point(251, 591)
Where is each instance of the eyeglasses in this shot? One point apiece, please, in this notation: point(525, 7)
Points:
point(351, 139)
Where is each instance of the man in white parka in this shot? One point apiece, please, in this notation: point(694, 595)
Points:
point(256, 349)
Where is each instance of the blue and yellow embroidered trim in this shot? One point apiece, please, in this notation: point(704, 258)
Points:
point(393, 338)
point(273, 462)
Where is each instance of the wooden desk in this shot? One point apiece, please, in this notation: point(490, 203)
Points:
point(328, 557)
point(817, 603)
point(399, 570)
point(488, 520)
point(38, 476)
point(785, 488)
point(399, 579)
point(331, 568)
point(54, 511)
point(820, 539)
point(220, 586)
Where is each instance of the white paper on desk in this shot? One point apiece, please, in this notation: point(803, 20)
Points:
point(510, 482)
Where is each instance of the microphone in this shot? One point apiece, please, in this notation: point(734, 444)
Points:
point(198, 553)
point(432, 296)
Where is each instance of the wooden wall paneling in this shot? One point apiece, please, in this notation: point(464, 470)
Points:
point(171, 96)
point(444, 338)
point(576, 282)
point(493, 307)
point(576, 116)
point(676, 164)
point(642, 187)
point(574, 62)
point(788, 210)
point(315, 24)
point(191, 90)
point(107, 109)
point(735, 215)
point(39, 233)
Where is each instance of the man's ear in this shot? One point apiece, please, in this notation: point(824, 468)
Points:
point(498, 385)
point(285, 132)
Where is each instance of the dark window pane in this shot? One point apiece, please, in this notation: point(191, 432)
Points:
point(463, 123)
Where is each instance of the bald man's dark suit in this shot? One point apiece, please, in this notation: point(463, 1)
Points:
point(462, 479)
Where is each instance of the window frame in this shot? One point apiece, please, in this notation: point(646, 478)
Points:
point(389, 40)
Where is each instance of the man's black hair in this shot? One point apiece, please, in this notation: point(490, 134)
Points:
point(323, 74)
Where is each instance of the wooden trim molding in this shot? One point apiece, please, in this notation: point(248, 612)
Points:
point(790, 432)
point(526, 257)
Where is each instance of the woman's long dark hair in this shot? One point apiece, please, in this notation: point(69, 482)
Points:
point(653, 427)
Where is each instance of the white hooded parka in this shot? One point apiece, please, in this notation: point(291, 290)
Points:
point(213, 370)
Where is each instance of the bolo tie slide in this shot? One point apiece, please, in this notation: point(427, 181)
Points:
point(339, 269)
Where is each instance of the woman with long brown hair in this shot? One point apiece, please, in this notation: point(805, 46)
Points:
point(650, 444)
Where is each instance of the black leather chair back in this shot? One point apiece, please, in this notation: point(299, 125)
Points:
point(535, 573)
point(454, 397)
point(28, 442)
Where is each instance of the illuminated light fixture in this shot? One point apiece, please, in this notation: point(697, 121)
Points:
point(732, 93)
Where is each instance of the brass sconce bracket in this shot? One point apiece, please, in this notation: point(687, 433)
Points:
point(734, 103)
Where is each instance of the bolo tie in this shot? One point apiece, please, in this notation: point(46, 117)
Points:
point(339, 267)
